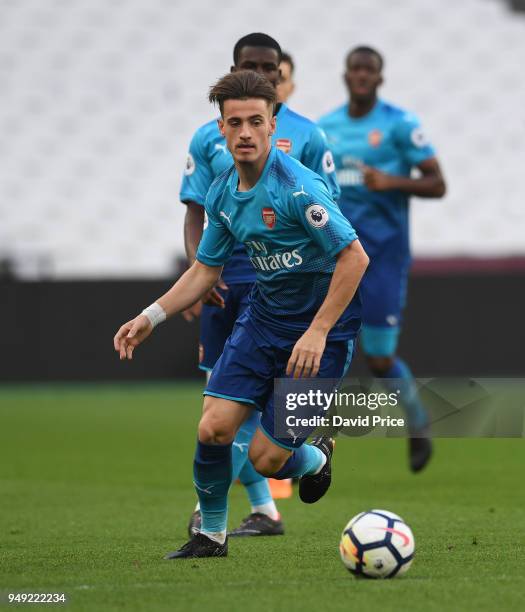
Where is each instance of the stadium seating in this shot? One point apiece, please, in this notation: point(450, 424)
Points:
point(100, 99)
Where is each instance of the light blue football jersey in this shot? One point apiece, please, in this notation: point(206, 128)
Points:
point(292, 230)
point(391, 140)
point(209, 156)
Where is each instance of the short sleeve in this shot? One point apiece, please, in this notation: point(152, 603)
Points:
point(321, 217)
point(318, 157)
point(412, 141)
point(217, 241)
point(198, 175)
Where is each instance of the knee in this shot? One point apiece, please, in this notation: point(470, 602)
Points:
point(267, 464)
point(379, 366)
point(213, 430)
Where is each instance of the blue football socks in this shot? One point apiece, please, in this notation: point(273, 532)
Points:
point(400, 377)
point(306, 459)
point(256, 485)
point(241, 444)
point(212, 475)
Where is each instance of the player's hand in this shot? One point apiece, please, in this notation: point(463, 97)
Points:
point(376, 180)
point(193, 312)
point(130, 335)
point(305, 359)
point(213, 297)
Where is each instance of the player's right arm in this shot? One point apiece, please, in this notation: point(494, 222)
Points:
point(414, 147)
point(198, 176)
point(214, 250)
point(190, 287)
point(336, 237)
point(193, 224)
point(193, 228)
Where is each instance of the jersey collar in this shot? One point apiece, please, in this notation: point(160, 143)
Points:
point(234, 179)
point(366, 117)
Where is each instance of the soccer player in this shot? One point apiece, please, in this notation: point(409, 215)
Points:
point(376, 146)
point(302, 318)
point(286, 85)
point(207, 158)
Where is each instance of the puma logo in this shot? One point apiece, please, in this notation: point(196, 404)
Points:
point(292, 433)
point(298, 193)
point(227, 217)
point(241, 446)
point(207, 490)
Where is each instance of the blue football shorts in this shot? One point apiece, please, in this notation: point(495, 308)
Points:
point(217, 323)
point(383, 296)
point(253, 357)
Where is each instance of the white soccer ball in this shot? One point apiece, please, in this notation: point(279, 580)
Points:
point(377, 544)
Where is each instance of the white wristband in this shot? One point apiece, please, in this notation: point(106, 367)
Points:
point(155, 313)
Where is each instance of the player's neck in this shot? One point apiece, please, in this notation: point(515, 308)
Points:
point(250, 172)
point(360, 108)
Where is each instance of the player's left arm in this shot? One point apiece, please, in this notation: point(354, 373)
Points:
point(332, 232)
point(430, 184)
point(305, 359)
point(414, 147)
point(318, 157)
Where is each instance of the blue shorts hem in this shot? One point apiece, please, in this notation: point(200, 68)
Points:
point(204, 368)
point(240, 400)
point(277, 442)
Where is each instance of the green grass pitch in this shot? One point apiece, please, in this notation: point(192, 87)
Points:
point(96, 486)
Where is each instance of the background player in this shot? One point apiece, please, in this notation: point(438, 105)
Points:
point(286, 85)
point(309, 264)
point(376, 145)
point(207, 158)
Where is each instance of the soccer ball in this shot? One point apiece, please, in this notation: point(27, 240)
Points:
point(377, 544)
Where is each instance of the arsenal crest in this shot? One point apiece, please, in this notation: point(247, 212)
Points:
point(284, 144)
point(269, 218)
point(374, 138)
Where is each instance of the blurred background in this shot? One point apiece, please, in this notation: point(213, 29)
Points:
point(101, 97)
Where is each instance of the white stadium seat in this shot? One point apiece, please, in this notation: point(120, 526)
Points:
point(100, 99)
